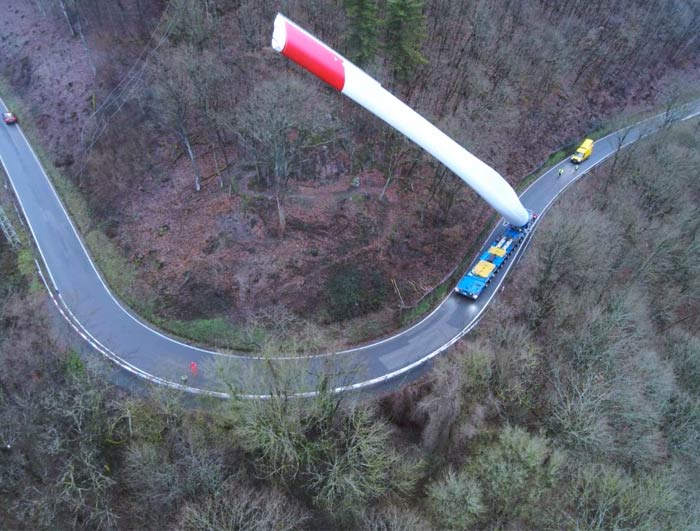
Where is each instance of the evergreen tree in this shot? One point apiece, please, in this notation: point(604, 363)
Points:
point(363, 30)
point(405, 35)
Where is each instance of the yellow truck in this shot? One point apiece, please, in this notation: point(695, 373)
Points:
point(583, 152)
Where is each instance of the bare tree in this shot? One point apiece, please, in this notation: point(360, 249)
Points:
point(211, 79)
point(280, 122)
point(395, 152)
point(172, 96)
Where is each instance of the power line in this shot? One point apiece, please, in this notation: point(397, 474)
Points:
point(120, 94)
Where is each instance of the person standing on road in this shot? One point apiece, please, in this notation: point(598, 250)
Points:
point(561, 172)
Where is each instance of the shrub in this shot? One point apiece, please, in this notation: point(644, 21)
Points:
point(685, 356)
point(615, 416)
point(341, 458)
point(516, 369)
point(360, 468)
point(682, 426)
point(459, 383)
point(577, 417)
point(515, 473)
point(393, 518)
point(456, 502)
point(237, 506)
point(603, 335)
point(607, 498)
point(353, 291)
point(150, 473)
point(442, 407)
point(170, 456)
point(76, 444)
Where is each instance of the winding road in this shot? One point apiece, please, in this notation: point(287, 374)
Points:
point(87, 303)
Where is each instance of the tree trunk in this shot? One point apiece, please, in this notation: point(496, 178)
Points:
point(81, 34)
point(222, 146)
point(40, 7)
point(280, 214)
point(193, 159)
point(216, 166)
point(386, 185)
point(65, 14)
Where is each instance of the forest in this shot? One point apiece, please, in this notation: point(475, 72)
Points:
point(575, 404)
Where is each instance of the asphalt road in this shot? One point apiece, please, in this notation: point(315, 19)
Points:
point(94, 312)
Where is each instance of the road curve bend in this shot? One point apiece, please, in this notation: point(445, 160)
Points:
point(86, 302)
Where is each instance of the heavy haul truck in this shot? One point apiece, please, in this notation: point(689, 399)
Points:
point(490, 262)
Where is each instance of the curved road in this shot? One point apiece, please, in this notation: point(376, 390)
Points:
point(93, 311)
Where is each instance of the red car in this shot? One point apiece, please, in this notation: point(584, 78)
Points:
point(9, 118)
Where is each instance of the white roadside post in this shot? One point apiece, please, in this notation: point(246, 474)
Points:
point(306, 50)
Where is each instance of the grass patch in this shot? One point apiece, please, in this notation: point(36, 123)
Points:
point(27, 268)
point(631, 119)
point(25, 262)
point(598, 133)
point(554, 159)
point(427, 303)
point(217, 332)
point(558, 156)
point(119, 273)
point(368, 327)
point(72, 199)
point(73, 365)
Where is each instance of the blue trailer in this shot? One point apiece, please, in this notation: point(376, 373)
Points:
point(489, 263)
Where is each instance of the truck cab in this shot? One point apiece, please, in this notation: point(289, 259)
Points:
point(583, 152)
